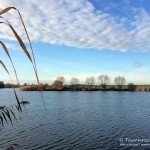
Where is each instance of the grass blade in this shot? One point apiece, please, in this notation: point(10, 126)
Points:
point(13, 147)
point(19, 40)
point(24, 26)
point(6, 10)
point(2, 120)
point(4, 117)
point(17, 100)
point(17, 108)
point(13, 114)
point(22, 44)
point(4, 67)
point(8, 115)
point(7, 52)
point(13, 84)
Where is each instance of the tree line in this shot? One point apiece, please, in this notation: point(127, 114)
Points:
point(8, 85)
point(91, 83)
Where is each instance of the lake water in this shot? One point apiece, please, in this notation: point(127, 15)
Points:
point(79, 121)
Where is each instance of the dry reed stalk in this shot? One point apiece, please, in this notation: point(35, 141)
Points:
point(24, 26)
point(1, 62)
point(6, 113)
point(22, 44)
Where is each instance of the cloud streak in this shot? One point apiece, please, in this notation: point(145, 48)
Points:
point(79, 24)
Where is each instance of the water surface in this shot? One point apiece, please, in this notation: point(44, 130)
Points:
point(78, 121)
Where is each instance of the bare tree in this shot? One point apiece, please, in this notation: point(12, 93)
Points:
point(103, 80)
point(120, 81)
point(74, 82)
point(61, 78)
point(57, 84)
point(90, 81)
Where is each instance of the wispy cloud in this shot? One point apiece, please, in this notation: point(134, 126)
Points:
point(79, 24)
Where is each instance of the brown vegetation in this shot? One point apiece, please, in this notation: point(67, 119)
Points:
point(103, 80)
point(7, 113)
point(120, 81)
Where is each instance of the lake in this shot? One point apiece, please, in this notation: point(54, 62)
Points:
point(79, 121)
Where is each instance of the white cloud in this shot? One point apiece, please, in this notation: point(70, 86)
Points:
point(78, 24)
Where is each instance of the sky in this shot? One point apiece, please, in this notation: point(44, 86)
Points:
point(79, 38)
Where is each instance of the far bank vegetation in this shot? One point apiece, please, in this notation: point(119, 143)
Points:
point(101, 83)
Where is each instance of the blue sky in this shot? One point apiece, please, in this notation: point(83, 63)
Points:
point(80, 39)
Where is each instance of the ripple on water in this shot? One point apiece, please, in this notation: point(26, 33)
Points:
point(79, 120)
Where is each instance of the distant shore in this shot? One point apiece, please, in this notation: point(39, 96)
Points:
point(46, 87)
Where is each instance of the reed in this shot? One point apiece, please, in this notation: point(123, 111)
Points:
point(1, 62)
point(5, 113)
point(24, 48)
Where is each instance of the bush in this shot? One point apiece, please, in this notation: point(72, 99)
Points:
point(131, 87)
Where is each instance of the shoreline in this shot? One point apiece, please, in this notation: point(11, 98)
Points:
point(43, 87)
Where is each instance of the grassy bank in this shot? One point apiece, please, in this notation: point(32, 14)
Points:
point(82, 87)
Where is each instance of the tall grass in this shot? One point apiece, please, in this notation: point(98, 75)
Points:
point(1, 62)
point(5, 113)
point(24, 48)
